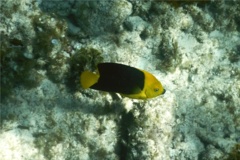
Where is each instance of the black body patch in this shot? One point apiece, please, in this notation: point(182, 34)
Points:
point(119, 78)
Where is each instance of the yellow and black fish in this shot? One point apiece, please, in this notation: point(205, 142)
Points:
point(128, 81)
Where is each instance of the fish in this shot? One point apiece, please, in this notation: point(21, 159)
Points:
point(123, 79)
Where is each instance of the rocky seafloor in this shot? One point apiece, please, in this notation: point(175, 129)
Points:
point(192, 47)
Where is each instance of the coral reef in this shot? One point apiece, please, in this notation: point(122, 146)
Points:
point(192, 47)
point(85, 14)
point(235, 153)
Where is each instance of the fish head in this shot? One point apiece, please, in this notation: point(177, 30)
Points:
point(154, 90)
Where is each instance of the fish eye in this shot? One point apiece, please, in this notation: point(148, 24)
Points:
point(156, 89)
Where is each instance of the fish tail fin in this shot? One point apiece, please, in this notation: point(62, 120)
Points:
point(87, 79)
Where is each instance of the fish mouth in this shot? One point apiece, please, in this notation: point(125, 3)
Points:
point(164, 90)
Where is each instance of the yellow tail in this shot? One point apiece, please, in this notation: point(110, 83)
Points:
point(87, 79)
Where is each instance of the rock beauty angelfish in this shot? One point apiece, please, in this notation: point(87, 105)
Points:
point(125, 80)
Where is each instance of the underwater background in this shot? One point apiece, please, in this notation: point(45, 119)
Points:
point(191, 46)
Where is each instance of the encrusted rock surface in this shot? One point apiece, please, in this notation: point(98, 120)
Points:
point(191, 47)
